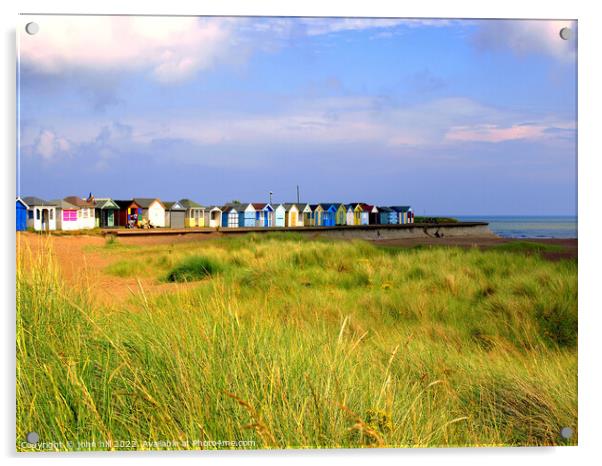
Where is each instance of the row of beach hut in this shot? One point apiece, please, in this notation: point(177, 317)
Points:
point(75, 213)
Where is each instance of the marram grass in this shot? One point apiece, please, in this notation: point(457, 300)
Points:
point(302, 344)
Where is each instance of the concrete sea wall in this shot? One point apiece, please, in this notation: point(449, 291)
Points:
point(368, 232)
point(382, 232)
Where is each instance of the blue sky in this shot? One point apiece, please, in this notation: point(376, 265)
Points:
point(452, 117)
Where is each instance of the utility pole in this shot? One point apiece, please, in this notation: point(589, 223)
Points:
point(270, 197)
point(298, 194)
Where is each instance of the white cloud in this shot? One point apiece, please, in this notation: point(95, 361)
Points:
point(495, 133)
point(173, 48)
point(318, 120)
point(319, 26)
point(350, 120)
point(48, 144)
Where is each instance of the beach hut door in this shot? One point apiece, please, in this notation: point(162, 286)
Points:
point(110, 220)
point(45, 225)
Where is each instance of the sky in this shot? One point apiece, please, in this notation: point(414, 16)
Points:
point(461, 117)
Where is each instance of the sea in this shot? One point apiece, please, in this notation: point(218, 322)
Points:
point(528, 226)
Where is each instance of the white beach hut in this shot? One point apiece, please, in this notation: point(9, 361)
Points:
point(350, 214)
point(153, 210)
point(215, 216)
point(280, 216)
point(41, 214)
point(86, 212)
point(68, 216)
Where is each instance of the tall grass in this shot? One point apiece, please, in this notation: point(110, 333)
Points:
point(305, 344)
point(193, 268)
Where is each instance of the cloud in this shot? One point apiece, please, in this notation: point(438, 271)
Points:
point(47, 144)
point(545, 129)
point(494, 133)
point(116, 131)
point(319, 26)
point(325, 122)
point(107, 144)
point(526, 37)
point(170, 48)
point(113, 141)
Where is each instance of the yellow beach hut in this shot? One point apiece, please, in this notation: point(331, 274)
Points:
point(318, 213)
point(195, 213)
point(306, 215)
point(293, 216)
point(341, 215)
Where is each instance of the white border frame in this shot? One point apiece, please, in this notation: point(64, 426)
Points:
point(589, 196)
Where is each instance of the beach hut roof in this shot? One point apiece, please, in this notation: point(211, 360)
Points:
point(385, 209)
point(65, 205)
point(232, 206)
point(303, 206)
point(289, 205)
point(173, 206)
point(79, 202)
point(190, 204)
point(125, 203)
point(145, 202)
point(262, 206)
point(329, 205)
point(33, 201)
point(106, 203)
point(22, 202)
point(400, 208)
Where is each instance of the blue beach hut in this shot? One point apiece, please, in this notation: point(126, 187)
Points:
point(404, 212)
point(386, 215)
point(329, 214)
point(230, 215)
point(21, 215)
point(264, 214)
point(249, 216)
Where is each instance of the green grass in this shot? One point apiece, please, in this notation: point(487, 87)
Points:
point(419, 219)
point(88, 232)
point(193, 268)
point(305, 344)
point(111, 241)
point(128, 268)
